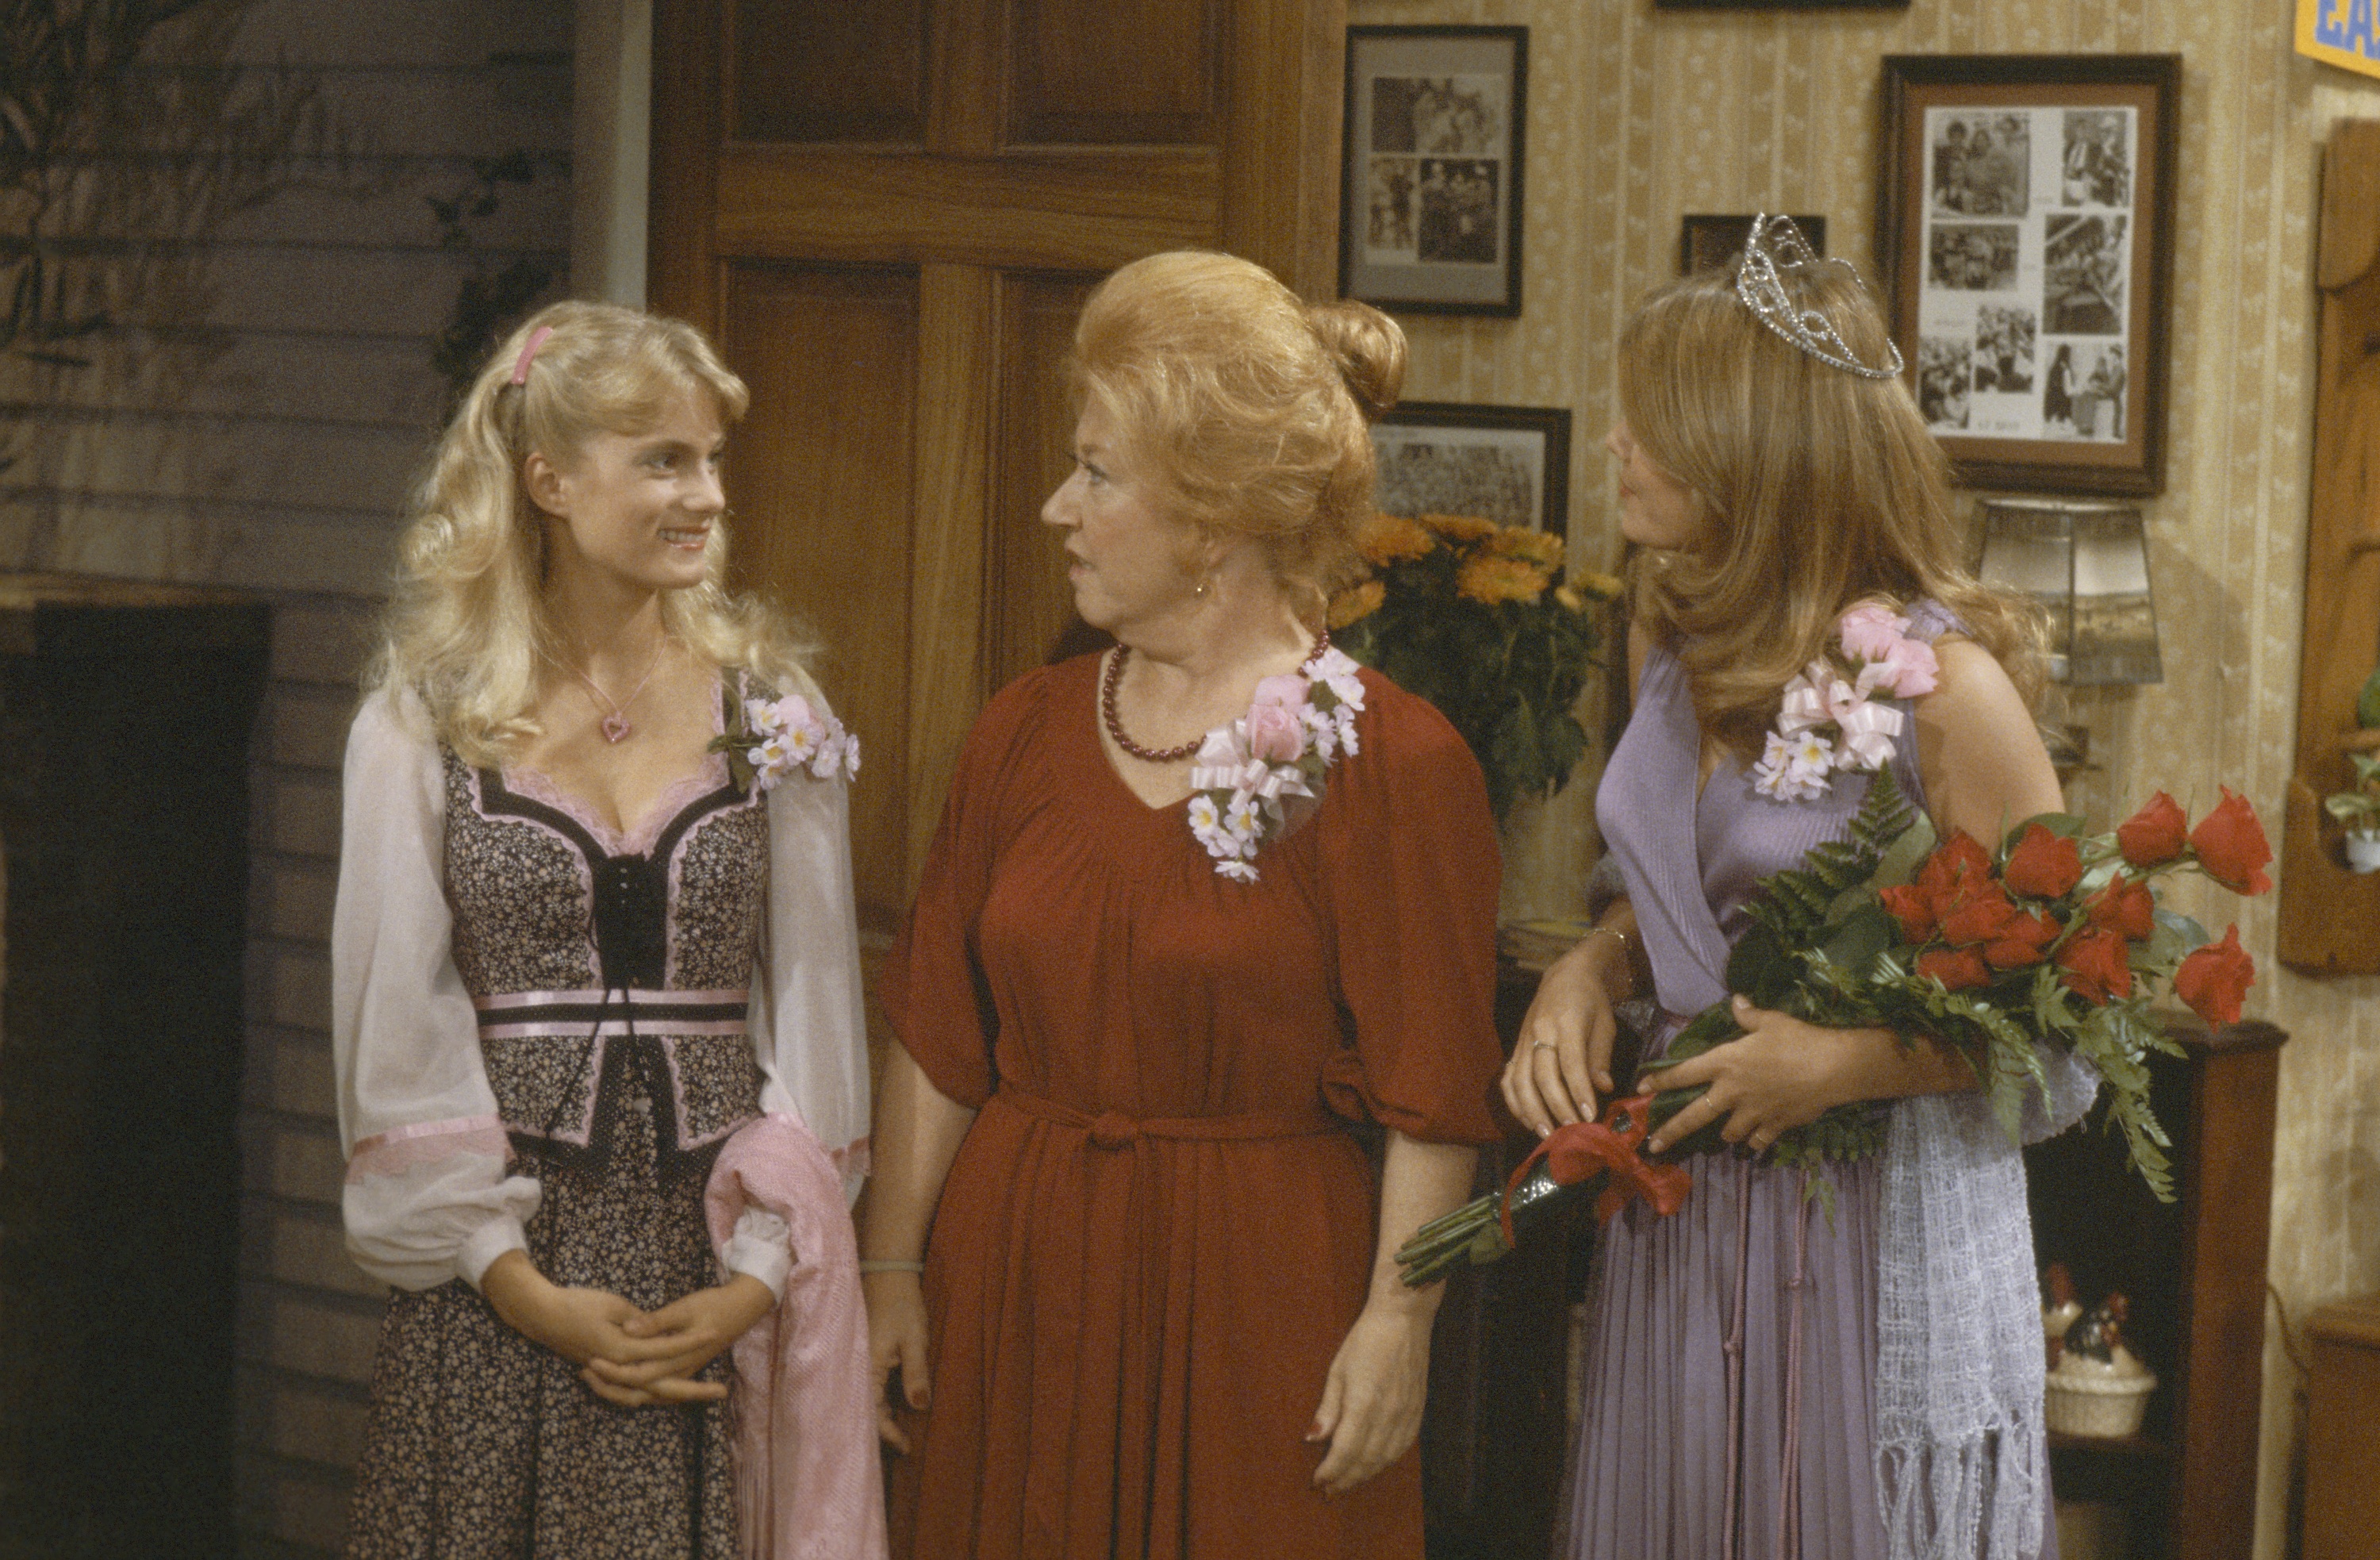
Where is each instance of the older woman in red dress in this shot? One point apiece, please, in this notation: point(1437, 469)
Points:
point(1157, 1312)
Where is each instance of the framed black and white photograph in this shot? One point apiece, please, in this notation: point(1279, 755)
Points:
point(1713, 243)
point(1430, 191)
point(2026, 231)
point(1506, 464)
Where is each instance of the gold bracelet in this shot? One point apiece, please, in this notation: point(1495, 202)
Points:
point(889, 1266)
point(1612, 932)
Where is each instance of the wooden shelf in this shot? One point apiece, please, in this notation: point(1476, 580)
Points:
point(2329, 916)
point(2194, 1272)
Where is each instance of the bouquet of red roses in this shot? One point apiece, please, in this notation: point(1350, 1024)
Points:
point(2056, 938)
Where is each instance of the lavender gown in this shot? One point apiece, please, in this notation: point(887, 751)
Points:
point(1661, 1459)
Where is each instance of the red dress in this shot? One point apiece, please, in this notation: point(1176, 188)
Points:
point(1159, 1227)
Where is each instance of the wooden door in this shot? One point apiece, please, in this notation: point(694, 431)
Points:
point(888, 212)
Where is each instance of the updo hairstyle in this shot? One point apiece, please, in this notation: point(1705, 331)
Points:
point(1249, 408)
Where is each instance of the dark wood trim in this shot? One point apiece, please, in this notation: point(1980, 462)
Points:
point(1552, 422)
point(1998, 465)
point(1515, 168)
point(2327, 913)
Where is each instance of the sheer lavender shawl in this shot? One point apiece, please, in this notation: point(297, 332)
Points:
point(1961, 1457)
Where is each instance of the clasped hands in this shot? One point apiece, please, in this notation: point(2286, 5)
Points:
point(626, 1354)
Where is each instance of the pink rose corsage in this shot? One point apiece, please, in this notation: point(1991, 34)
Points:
point(1830, 721)
point(1259, 778)
point(785, 736)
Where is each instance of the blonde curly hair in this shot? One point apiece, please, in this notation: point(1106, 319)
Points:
point(468, 618)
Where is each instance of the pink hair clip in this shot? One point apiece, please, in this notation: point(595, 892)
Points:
point(528, 353)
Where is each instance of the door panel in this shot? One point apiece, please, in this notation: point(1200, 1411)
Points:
point(803, 71)
point(1096, 210)
point(824, 466)
point(888, 212)
point(1030, 608)
point(1127, 73)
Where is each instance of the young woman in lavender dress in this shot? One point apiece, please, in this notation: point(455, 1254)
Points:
point(1772, 1373)
point(601, 1069)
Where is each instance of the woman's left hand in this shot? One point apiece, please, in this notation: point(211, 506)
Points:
point(1782, 1074)
point(702, 1325)
point(1372, 1398)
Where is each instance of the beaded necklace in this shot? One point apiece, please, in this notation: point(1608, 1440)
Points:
point(1114, 679)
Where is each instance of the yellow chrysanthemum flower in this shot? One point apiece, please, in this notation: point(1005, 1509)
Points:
point(1388, 538)
point(1540, 547)
point(1460, 527)
point(1492, 579)
point(1585, 587)
point(1356, 603)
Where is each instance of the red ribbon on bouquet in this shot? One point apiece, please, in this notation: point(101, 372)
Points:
point(1611, 1145)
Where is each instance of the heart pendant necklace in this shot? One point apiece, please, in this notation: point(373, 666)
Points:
point(614, 725)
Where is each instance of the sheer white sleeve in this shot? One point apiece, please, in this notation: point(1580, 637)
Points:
point(808, 1025)
point(427, 1197)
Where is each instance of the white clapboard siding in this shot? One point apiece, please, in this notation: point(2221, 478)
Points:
point(96, 457)
point(268, 551)
point(393, 35)
point(373, 381)
point(526, 216)
point(335, 290)
point(270, 447)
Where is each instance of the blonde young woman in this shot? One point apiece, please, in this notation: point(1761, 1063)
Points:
point(1127, 1252)
point(600, 1067)
point(1771, 1374)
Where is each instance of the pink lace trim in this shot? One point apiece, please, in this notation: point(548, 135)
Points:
point(401, 1149)
point(639, 840)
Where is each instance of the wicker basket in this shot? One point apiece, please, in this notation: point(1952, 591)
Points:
point(2107, 1406)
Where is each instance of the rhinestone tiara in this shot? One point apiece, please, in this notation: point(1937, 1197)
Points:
point(1776, 245)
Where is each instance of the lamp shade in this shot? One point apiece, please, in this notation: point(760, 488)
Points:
point(2088, 564)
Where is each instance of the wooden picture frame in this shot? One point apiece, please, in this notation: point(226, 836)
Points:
point(1507, 464)
point(1780, 4)
point(1429, 206)
point(2025, 236)
point(1707, 242)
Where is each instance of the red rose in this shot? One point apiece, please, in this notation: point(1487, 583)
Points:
point(2154, 835)
point(2230, 846)
point(1956, 968)
point(2214, 978)
point(1907, 905)
point(2095, 966)
point(2022, 940)
point(2125, 905)
point(2043, 865)
point(1956, 863)
point(1980, 915)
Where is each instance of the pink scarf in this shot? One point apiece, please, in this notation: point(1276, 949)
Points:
point(809, 1485)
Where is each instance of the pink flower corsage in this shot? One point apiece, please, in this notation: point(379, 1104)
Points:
point(781, 736)
point(1259, 778)
point(1830, 722)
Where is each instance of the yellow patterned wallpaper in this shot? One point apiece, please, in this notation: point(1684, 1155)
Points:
point(1637, 117)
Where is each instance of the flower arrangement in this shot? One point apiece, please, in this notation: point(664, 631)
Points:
point(776, 737)
point(2053, 939)
point(1258, 777)
point(1827, 724)
point(1471, 615)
